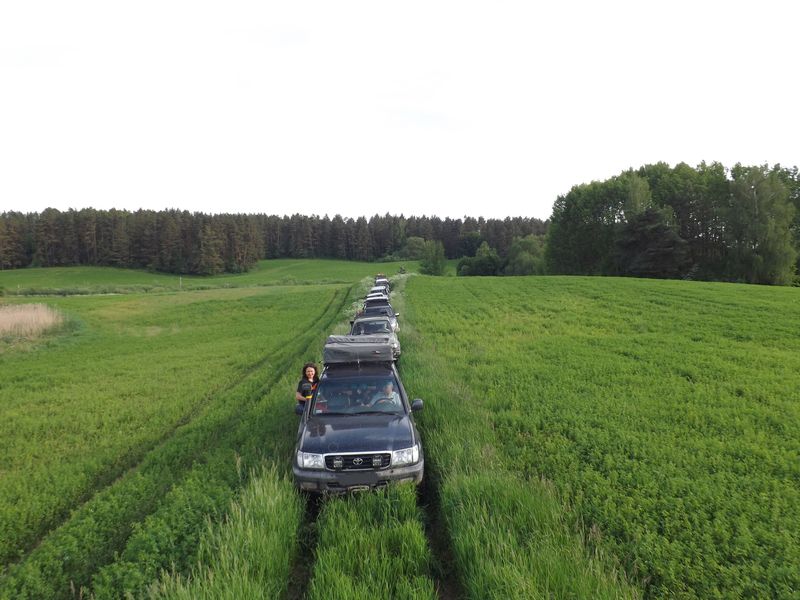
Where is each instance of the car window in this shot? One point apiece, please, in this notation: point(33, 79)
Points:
point(352, 396)
point(376, 327)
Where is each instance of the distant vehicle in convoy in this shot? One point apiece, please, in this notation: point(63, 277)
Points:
point(357, 432)
point(377, 296)
point(380, 289)
point(382, 301)
point(386, 311)
point(377, 326)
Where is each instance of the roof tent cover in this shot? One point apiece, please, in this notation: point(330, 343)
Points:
point(356, 349)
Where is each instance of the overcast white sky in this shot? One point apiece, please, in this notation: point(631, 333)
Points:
point(418, 108)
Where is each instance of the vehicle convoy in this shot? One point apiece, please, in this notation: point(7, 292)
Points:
point(358, 430)
point(377, 326)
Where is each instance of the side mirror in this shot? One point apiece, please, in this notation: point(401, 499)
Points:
point(397, 315)
point(416, 405)
point(299, 408)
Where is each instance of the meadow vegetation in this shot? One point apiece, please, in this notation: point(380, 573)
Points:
point(584, 437)
point(80, 280)
point(250, 554)
point(372, 546)
point(147, 409)
point(664, 416)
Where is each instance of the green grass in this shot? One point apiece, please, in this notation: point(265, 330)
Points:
point(584, 437)
point(372, 546)
point(157, 382)
point(94, 280)
point(76, 414)
point(664, 413)
point(250, 555)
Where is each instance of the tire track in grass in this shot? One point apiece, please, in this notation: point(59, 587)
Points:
point(448, 586)
point(507, 536)
point(309, 537)
point(45, 571)
point(304, 540)
point(235, 567)
point(120, 467)
point(309, 533)
point(163, 533)
point(136, 456)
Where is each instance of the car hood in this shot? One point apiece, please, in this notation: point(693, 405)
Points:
point(357, 433)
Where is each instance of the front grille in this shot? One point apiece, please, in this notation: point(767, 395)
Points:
point(357, 462)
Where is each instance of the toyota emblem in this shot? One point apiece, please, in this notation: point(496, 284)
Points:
point(358, 460)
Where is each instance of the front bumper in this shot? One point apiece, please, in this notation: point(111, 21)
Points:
point(339, 482)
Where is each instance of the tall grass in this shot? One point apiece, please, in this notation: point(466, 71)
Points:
point(28, 320)
point(250, 555)
point(243, 339)
point(665, 414)
point(372, 546)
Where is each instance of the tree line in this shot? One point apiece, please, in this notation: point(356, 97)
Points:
point(175, 241)
point(707, 222)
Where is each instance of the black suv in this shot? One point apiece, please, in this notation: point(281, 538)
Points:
point(357, 432)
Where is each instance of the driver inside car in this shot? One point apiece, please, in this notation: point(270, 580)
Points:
point(386, 396)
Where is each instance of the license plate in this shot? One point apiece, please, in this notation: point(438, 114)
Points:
point(364, 478)
point(358, 488)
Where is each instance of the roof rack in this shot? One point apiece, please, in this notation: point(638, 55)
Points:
point(341, 349)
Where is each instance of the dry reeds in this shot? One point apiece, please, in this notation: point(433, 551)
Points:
point(27, 320)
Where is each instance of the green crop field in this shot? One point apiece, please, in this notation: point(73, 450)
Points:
point(124, 431)
point(584, 437)
point(664, 415)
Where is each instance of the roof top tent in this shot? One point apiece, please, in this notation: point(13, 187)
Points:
point(344, 349)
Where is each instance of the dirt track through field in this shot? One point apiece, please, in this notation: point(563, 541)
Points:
point(303, 567)
point(447, 585)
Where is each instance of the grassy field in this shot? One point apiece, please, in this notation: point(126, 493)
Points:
point(584, 437)
point(664, 415)
point(93, 280)
point(122, 434)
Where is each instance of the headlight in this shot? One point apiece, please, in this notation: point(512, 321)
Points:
point(306, 460)
point(406, 456)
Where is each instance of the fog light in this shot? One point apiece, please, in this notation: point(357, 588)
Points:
point(376, 461)
point(338, 462)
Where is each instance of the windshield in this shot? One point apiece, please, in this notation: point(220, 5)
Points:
point(378, 310)
point(357, 395)
point(371, 327)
